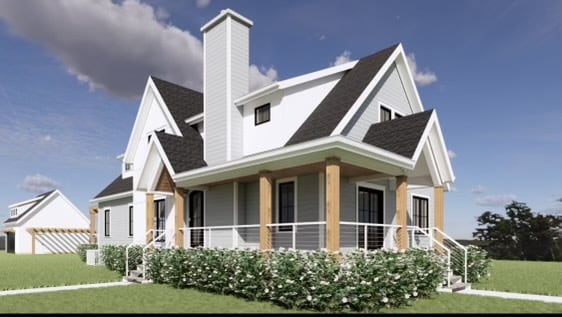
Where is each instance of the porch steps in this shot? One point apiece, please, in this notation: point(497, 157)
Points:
point(456, 284)
point(136, 276)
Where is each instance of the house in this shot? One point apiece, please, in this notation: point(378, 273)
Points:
point(342, 158)
point(46, 224)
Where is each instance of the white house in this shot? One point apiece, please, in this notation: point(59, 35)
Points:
point(345, 157)
point(48, 223)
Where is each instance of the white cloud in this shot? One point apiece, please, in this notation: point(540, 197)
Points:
point(322, 37)
point(47, 138)
point(422, 78)
point(451, 154)
point(496, 200)
point(261, 77)
point(113, 45)
point(478, 190)
point(342, 58)
point(38, 184)
point(454, 189)
point(202, 3)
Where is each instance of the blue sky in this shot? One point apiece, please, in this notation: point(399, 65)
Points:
point(71, 75)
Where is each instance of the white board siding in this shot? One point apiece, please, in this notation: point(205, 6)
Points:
point(389, 92)
point(288, 111)
point(118, 222)
point(218, 212)
point(215, 95)
point(240, 48)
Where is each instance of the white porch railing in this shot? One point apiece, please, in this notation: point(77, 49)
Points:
point(367, 236)
point(298, 235)
point(459, 253)
point(235, 236)
point(421, 238)
point(158, 236)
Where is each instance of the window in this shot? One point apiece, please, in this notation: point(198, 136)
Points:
point(262, 114)
point(130, 220)
point(128, 166)
point(396, 115)
point(385, 114)
point(420, 209)
point(286, 204)
point(106, 222)
point(160, 217)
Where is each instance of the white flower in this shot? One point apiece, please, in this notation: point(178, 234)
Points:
point(376, 279)
point(312, 288)
point(324, 283)
point(309, 298)
point(397, 277)
point(415, 294)
point(280, 286)
point(266, 290)
point(384, 300)
point(344, 300)
point(406, 296)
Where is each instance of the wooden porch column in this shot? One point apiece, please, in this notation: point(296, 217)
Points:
point(333, 204)
point(33, 237)
point(179, 195)
point(402, 210)
point(149, 216)
point(439, 212)
point(265, 210)
point(93, 218)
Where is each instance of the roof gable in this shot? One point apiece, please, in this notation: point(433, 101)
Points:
point(400, 136)
point(183, 153)
point(332, 109)
point(42, 197)
point(117, 186)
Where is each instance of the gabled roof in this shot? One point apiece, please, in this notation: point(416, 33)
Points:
point(37, 202)
point(182, 102)
point(400, 136)
point(118, 186)
point(331, 110)
point(183, 153)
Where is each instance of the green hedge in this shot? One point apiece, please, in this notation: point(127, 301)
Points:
point(478, 263)
point(81, 250)
point(307, 280)
point(113, 257)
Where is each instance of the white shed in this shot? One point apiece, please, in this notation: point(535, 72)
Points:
point(46, 224)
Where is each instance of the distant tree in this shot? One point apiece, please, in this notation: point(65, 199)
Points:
point(521, 235)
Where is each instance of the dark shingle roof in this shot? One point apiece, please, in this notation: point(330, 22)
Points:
point(400, 136)
point(43, 196)
point(324, 119)
point(119, 185)
point(183, 153)
point(182, 102)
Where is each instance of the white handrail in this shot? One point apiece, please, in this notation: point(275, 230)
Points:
point(441, 245)
point(461, 247)
point(209, 230)
point(309, 223)
point(149, 245)
point(127, 253)
point(369, 224)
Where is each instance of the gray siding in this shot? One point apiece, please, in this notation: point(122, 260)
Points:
point(391, 93)
point(215, 96)
point(252, 204)
point(118, 225)
point(218, 210)
point(347, 201)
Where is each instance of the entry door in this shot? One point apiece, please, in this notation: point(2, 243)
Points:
point(196, 218)
point(11, 242)
point(370, 208)
point(160, 217)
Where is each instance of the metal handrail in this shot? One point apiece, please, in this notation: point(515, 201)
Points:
point(433, 240)
point(225, 227)
point(154, 240)
point(127, 253)
point(461, 247)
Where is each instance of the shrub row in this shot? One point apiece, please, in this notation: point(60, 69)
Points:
point(114, 257)
point(307, 280)
point(478, 263)
point(81, 250)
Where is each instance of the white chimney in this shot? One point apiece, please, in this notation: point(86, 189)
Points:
point(226, 45)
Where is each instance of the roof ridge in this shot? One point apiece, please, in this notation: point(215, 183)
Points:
point(172, 83)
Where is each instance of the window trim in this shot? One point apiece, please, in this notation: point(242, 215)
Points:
point(264, 106)
point(381, 107)
point(428, 199)
point(392, 110)
point(295, 194)
point(107, 222)
point(131, 219)
point(371, 186)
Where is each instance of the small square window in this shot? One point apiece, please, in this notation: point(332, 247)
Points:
point(385, 114)
point(396, 115)
point(262, 114)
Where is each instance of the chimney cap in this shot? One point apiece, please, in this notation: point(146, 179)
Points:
point(223, 15)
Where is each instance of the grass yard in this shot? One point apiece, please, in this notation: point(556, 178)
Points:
point(543, 278)
point(149, 298)
point(30, 271)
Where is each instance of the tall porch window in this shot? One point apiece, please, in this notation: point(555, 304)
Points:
point(160, 215)
point(286, 204)
point(106, 215)
point(420, 211)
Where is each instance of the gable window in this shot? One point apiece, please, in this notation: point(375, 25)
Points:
point(106, 222)
point(130, 220)
point(397, 115)
point(286, 204)
point(262, 114)
point(420, 211)
point(385, 114)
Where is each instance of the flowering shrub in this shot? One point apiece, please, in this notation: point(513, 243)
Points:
point(477, 261)
point(316, 280)
point(81, 250)
point(114, 257)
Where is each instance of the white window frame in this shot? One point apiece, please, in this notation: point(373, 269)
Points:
point(411, 211)
point(130, 226)
point(104, 213)
point(280, 181)
point(371, 186)
point(392, 109)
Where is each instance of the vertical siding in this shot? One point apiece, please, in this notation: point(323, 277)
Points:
point(391, 93)
point(118, 225)
point(240, 48)
point(218, 212)
point(215, 96)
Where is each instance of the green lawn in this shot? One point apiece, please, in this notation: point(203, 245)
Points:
point(149, 298)
point(543, 278)
point(30, 271)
